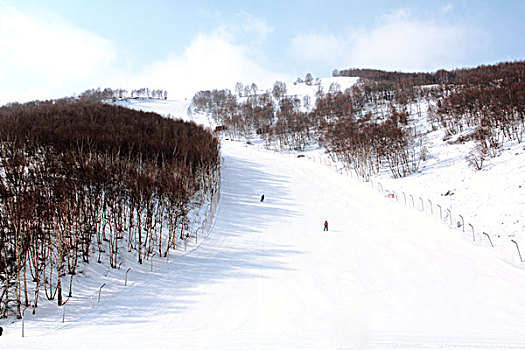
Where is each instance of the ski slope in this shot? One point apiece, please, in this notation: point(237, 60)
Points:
point(268, 277)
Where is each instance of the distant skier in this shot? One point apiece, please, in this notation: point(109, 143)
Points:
point(262, 198)
point(325, 226)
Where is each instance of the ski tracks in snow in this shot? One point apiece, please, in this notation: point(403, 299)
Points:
point(268, 277)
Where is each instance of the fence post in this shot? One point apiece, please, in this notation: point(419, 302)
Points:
point(422, 205)
point(23, 318)
point(463, 222)
point(152, 261)
point(431, 209)
point(395, 194)
point(100, 291)
point(63, 313)
point(440, 212)
point(204, 224)
point(126, 281)
point(490, 240)
point(473, 236)
point(405, 197)
point(516, 243)
point(412, 197)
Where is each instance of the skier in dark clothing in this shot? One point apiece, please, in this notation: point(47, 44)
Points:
point(325, 226)
point(262, 198)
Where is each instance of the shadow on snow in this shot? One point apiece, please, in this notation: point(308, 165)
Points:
point(233, 250)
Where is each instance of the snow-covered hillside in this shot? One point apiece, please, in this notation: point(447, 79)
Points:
point(339, 83)
point(384, 276)
point(490, 202)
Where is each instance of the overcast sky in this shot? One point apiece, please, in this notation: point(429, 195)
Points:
point(56, 48)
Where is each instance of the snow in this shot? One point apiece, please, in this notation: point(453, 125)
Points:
point(492, 200)
point(177, 109)
point(385, 276)
point(302, 89)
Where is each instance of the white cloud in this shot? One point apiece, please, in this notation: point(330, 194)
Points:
point(256, 26)
point(44, 57)
point(397, 41)
point(324, 48)
point(404, 43)
point(47, 57)
point(448, 8)
point(211, 61)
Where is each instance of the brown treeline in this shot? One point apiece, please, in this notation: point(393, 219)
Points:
point(84, 180)
point(371, 125)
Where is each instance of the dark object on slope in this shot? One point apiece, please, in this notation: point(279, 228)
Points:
point(325, 226)
point(1, 331)
point(262, 198)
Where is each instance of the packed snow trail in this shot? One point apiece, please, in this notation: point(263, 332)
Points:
point(268, 277)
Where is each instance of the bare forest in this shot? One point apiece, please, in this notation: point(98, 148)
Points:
point(80, 179)
point(373, 125)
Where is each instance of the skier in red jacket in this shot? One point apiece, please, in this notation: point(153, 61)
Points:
point(325, 226)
